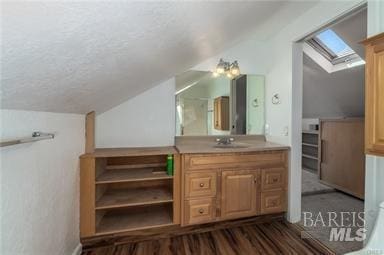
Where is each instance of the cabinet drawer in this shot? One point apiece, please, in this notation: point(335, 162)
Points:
point(200, 184)
point(199, 211)
point(272, 202)
point(246, 160)
point(273, 179)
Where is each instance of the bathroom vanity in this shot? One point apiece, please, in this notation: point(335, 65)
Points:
point(241, 179)
point(127, 189)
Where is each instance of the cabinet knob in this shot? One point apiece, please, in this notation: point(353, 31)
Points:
point(201, 211)
point(255, 180)
point(201, 184)
point(275, 179)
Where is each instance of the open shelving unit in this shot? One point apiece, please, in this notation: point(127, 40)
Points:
point(133, 219)
point(310, 150)
point(128, 189)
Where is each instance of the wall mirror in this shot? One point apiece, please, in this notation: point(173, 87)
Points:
point(209, 105)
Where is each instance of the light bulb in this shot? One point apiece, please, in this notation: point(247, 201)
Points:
point(235, 70)
point(220, 70)
point(229, 75)
point(215, 74)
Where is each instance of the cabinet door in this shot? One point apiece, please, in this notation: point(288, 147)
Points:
point(238, 193)
point(221, 113)
point(374, 96)
point(342, 164)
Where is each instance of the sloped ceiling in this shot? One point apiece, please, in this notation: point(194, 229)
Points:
point(353, 30)
point(338, 94)
point(81, 56)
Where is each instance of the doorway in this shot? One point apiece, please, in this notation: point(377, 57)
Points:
point(331, 147)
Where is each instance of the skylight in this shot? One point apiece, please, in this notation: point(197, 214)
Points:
point(334, 43)
point(333, 48)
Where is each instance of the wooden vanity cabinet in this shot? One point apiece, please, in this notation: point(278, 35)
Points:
point(374, 95)
point(232, 185)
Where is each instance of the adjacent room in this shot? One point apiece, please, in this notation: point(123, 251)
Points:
point(179, 127)
point(333, 159)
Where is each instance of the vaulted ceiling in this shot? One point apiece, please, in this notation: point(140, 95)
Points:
point(82, 56)
point(338, 94)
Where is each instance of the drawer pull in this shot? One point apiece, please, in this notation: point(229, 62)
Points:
point(201, 184)
point(201, 211)
point(275, 179)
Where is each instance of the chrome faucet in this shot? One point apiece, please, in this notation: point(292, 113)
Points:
point(225, 140)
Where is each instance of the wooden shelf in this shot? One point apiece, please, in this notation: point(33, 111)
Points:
point(135, 166)
point(118, 198)
point(115, 221)
point(310, 144)
point(312, 170)
point(313, 132)
point(130, 152)
point(310, 156)
point(132, 175)
point(125, 189)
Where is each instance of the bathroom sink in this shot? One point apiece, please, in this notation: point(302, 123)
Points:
point(231, 146)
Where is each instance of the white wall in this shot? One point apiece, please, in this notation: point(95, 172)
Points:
point(40, 184)
point(374, 170)
point(145, 120)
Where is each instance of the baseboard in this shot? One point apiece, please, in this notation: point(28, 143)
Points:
point(77, 250)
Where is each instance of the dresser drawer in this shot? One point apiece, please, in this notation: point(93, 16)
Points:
point(273, 179)
point(200, 184)
point(272, 202)
point(244, 160)
point(199, 211)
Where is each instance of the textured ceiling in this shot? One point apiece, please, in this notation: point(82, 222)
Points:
point(82, 56)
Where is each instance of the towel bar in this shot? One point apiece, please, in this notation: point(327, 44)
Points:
point(36, 136)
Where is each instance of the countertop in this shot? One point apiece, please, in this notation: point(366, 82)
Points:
point(207, 144)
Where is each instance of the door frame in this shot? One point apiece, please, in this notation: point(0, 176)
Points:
point(295, 189)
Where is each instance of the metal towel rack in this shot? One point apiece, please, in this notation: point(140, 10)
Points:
point(36, 136)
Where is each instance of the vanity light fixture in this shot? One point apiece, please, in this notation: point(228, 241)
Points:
point(231, 70)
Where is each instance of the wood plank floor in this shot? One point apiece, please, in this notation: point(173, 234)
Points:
point(277, 237)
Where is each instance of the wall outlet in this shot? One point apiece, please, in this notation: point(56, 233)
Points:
point(266, 129)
